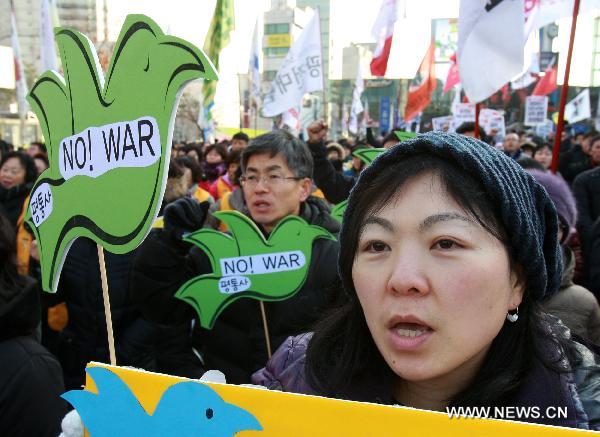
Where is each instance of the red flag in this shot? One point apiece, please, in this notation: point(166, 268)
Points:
point(383, 31)
point(453, 77)
point(546, 84)
point(419, 96)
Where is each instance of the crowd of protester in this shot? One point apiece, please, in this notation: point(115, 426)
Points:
point(48, 338)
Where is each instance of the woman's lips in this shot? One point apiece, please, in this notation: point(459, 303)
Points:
point(408, 333)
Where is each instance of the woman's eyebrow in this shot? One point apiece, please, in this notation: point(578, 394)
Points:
point(442, 217)
point(375, 220)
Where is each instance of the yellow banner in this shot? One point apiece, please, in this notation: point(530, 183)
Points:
point(278, 40)
point(288, 414)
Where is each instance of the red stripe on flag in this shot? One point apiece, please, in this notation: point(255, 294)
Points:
point(379, 64)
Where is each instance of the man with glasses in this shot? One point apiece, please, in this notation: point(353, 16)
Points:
point(276, 182)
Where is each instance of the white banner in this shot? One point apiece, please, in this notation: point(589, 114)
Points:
point(579, 108)
point(463, 112)
point(300, 73)
point(536, 108)
point(492, 122)
point(442, 124)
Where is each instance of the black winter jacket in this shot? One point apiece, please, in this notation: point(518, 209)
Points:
point(31, 379)
point(12, 200)
point(84, 339)
point(335, 186)
point(236, 345)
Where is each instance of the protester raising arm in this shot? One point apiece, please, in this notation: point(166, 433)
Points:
point(335, 186)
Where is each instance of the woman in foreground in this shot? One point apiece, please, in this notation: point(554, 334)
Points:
point(447, 249)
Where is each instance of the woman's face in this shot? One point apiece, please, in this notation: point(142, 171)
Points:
point(213, 157)
point(544, 157)
point(12, 173)
point(434, 285)
point(40, 165)
point(193, 154)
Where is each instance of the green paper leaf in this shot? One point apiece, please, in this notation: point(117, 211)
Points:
point(338, 210)
point(108, 139)
point(367, 156)
point(403, 136)
point(246, 265)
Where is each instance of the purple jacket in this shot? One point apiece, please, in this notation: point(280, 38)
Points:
point(579, 391)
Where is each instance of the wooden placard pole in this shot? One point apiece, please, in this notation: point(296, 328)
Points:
point(266, 328)
point(107, 313)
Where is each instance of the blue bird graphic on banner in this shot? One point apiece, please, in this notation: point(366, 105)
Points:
point(185, 409)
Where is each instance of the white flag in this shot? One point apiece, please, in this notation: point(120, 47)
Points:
point(20, 83)
point(291, 118)
point(254, 68)
point(357, 106)
point(48, 48)
point(300, 73)
point(579, 108)
point(490, 45)
point(542, 12)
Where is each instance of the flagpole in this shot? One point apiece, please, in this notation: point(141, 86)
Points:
point(477, 109)
point(564, 91)
point(325, 111)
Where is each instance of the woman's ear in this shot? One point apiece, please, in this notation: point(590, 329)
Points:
point(518, 286)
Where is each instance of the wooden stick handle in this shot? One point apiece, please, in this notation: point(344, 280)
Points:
point(106, 298)
point(266, 328)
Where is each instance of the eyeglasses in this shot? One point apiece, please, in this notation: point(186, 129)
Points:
point(268, 181)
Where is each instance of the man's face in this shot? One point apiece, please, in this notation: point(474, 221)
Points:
point(511, 143)
point(271, 192)
point(238, 145)
point(595, 152)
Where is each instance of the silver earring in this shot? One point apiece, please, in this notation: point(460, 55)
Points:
point(513, 317)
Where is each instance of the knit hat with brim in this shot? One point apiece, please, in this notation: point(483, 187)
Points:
point(527, 212)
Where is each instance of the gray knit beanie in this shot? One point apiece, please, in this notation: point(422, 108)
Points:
point(527, 212)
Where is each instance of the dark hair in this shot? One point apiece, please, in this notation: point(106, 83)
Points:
point(234, 157)
point(467, 126)
point(529, 163)
point(241, 136)
point(294, 152)
point(542, 146)
point(26, 162)
point(41, 146)
point(219, 148)
point(198, 149)
point(195, 168)
point(594, 139)
point(43, 157)
point(390, 137)
point(8, 263)
point(175, 169)
point(342, 350)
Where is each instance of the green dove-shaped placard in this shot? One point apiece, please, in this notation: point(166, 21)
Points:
point(108, 139)
point(403, 136)
point(367, 156)
point(246, 265)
